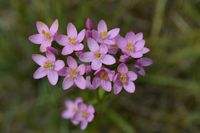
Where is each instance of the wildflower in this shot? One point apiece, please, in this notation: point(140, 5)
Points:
point(132, 45)
point(84, 115)
point(103, 78)
point(123, 79)
point(140, 63)
point(97, 55)
point(45, 35)
point(74, 74)
point(71, 41)
point(89, 27)
point(49, 67)
point(102, 35)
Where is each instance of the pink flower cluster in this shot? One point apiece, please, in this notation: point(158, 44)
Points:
point(95, 58)
point(78, 112)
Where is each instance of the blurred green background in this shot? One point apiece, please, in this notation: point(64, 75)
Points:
point(167, 100)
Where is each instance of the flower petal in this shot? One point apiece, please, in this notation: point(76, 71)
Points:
point(67, 83)
point(67, 50)
point(121, 42)
point(130, 37)
point(145, 50)
point(52, 77)
point(113, 33)
point(81, 35)
point(92, 44)
point(139, 45)
point(96, 82)
point(117, 89)
point(87, 57)
point(40, 73)
point(50, 56)
point(138, 36)
point(102, 27)
point(122, 68)
point(71, 30)
point(81, 69)
point(71, 62)
point(106, 85)
point(37, 38)
point(45, 44)
point(132, 76)
point(96, 64)
point(62, 39)
point(80, 82)
point(59, 64)
point(39, 59)
point(130, 87)
point(54, 27)
point(137, 54)
point(84, 125)
point(78, 47)
point(41, 26)
point(103, 49)
point(108, 60)
point(145, 61)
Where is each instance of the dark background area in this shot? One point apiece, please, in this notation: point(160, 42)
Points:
point(167, 100)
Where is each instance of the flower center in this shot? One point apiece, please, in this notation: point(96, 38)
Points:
point(73, 73)
point(114, 46)
point(103, 75)
point(97, 55)
point(84, 114)
point(123, 78)
point(48, 65)
point(129, 47)
point(104, 34)
point(47, 35)
point(72, 40)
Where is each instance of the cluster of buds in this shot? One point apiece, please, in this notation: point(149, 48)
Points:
point(95, 58)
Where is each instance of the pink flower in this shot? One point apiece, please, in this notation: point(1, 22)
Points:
point(71, 109)
point(102, 35)
point(140, 63)
point(97, 55)
point(132, 45)
point(71, 42)
point(103, 78)
point(45, 35)
point(84, 115)
point(49, 67)
point(74, 74)
point(123, 79)
point(89, 27)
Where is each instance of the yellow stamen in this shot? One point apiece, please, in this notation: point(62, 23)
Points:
point(73, 73)
point(104, 75)
point(98, 55)
point(104, 34)
point(72, 40)
point(123, 78)
point(85, 114)
point(129, 47)
point(47, 35)
point(48, 65)
point(114, 46)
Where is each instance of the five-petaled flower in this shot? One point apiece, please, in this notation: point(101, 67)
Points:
point(49, 67)
point(74, 74)
point(124, 79)
point(45, 35)
point(97, 55)
point(71, 41)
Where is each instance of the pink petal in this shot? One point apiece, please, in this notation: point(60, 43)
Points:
point(113, 33)
point(81, 35)
point(88, 83)
point(122, 68)
point(136, 54)
point(78, 47)
point(67, 50)
point(67, 83)
point(62, 40)
point(87, 57)
point(138, 36)
point(41, 26)
point(80, 82)
point(145, 61)
point(96, 82)
point(59, 64)
point(44, 46)
point(92, 44)
point(130, 37)
point(108, 41)
point(102, 27)
point(91, 109)
point(95, 34)
point(40, 73)
point(139, 45)
point(130, 87)
point(84, 125)
point(54, 27)
point(121, 42)
point(108, 60)
point(96, 64)
point(81, 69)
point(52, 77)
point(39, 59)
point(37, 38)
point(50, 56)
point(145, 50)
point(71, 62)
point(71, 30)
point(103, 49)
point(63, 71)
point(132, 76)
point(117, 89)
point(106, 85)
point(90, 118)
